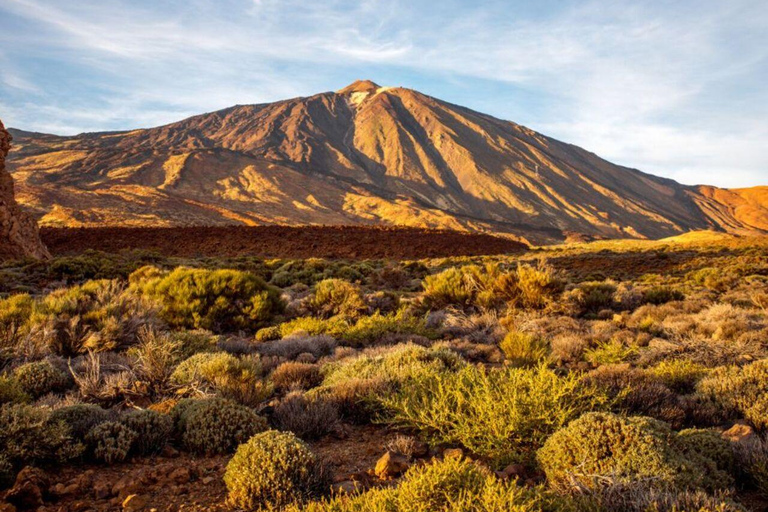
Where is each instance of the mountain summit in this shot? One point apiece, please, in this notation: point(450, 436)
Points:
point(362, 155)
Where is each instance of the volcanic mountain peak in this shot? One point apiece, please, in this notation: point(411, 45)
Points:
point(360, 86)
point(363, 155)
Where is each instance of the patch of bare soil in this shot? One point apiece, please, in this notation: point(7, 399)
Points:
point(346, 242)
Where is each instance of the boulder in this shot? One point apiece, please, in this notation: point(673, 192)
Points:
point(391, 465)
point(29, 491)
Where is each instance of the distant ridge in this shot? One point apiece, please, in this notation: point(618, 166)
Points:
point(365, 154)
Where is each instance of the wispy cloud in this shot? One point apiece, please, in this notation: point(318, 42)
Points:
point(676, 89)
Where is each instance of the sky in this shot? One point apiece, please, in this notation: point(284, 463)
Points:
point(673, 88)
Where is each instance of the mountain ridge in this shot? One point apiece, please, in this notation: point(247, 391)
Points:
point(365, 154)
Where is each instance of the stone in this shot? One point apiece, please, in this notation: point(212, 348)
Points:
point(29, 490)
point(134, 503)
point(7, 507)
point(391, 465)
point(180, 475)
point(19, 237)
point(742, 434)
point(453, 453)
point(514, 471)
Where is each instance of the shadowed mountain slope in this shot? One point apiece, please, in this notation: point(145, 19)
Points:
point(363, 155)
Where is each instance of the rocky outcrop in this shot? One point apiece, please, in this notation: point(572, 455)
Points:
point(18, 232)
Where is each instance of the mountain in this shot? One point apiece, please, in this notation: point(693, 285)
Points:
point(18, 232)
point(362, 155)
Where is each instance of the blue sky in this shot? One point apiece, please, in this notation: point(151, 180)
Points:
point(674, 88)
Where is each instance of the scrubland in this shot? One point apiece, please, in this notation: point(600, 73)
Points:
point(593, 377)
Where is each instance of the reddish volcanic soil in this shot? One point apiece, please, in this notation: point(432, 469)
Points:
point(347, 242)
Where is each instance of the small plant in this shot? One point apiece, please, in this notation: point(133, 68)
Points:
point(11, 391)
point(436, 486)
point(739, 390)
point(612, 351)
point(292, 375)
point(662, 295)
point(7, 473)
point(333, 297)
point(307, 417)
point(216, 425)
point(524, 349)
point(680, 375)
point(153, 430)
point(28, 436)
point(80, 418)
point(273, 470)
point(592, 297)
point(40, 378)
point(111, 441)
point(603, 447)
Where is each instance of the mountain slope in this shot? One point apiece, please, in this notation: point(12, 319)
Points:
point(364, 154)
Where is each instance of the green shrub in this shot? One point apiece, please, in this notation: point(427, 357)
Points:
point(592, 297)
point(370, 329)
point(216, 425)
point(524, 349)
point(680, 375)
point(14, 315)
point(600, 447)
point(612, 351)
point(239, 379)
point(11, 391)
point(310, 325)
point(270, 333)
point(436, 486)
point(111, 441)
point(273, 470)
point(40, 378)
point(490, 286)
point(80, 418)
point(739, 390)
point(710, 453)
point(153, 430)
point(217, 300)
point(333, 297)
point(28, 436)
point(662, 295)
point(502, 414)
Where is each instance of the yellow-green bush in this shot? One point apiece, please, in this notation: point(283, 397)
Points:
point(333, 297)
point(11, 391)
point(502, 414)
point(153, 430)
point(41, 377)
point(215, 425)
point(489, 286)
point(273, 470)
point(661, 295)
point(239, 379)
point(436, 486)
point(110, 441)
point(524, 349)
point(604, 447)
point(217, 300)
point(14, 315)
point(740, 390)
point(370, 329)
point(680, 375)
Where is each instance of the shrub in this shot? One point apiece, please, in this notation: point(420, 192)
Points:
point(273, 470)
point(680, 375)
point(80, 418)
point(11, 392)
point(309, 325)
point(600, 447)
point(333, 297)
point(739, 390)
point(14, 315)
point(612, 351)
point(296, 344)
point(40, 378)
point(501, 414)
point(489, 286)
point(216, 425)
point(270, 333)
point(153, 430)
point(27, 436)
point(711, 453)
point(293, 375)
point(592, 297)
point(524, 349)
point(307, 417)
point(662, 295)
point(371, 329)
point(217, 300)
point(239, 379)
point(435, 486)
point(111, 441)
